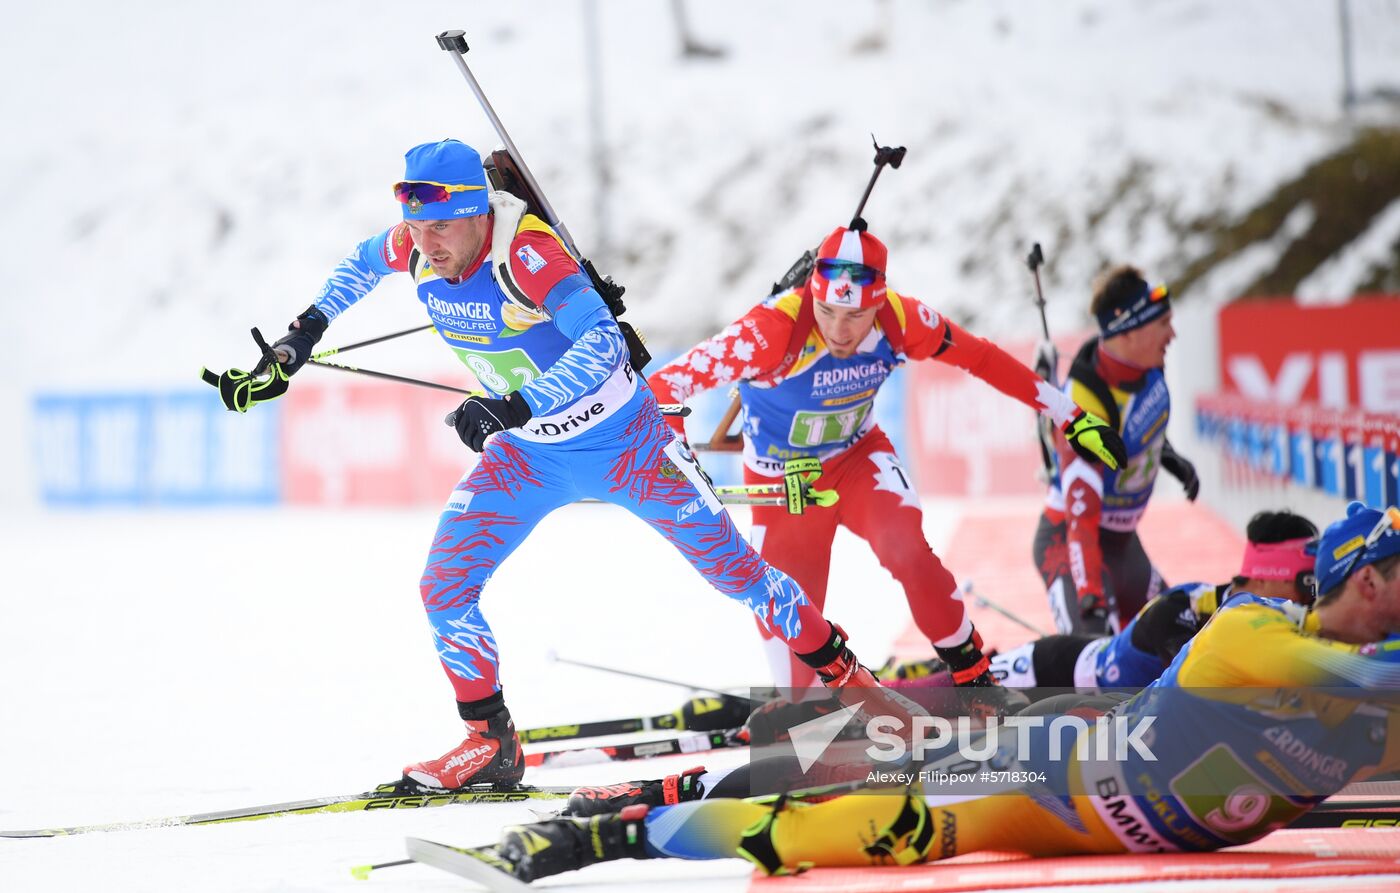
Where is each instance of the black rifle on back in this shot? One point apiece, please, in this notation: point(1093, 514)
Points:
point(721, 441)
point(508, 172)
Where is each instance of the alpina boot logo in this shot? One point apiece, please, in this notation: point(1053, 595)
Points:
point(470, 758)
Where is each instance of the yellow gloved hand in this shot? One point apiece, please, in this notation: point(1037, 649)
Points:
point(1095, 441)
point(240, 391)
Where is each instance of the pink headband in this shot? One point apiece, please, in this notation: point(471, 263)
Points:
point(1276, 561)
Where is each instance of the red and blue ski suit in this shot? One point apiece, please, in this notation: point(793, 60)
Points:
point(596, 431)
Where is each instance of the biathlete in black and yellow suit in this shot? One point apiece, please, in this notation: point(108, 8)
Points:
point(1297, 702)
point(1096, 572)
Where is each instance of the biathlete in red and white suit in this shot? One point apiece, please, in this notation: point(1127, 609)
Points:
point(809, 362)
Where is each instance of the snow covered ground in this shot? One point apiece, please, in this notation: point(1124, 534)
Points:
point(150, 666)
point(177, 172)
point(155, 665)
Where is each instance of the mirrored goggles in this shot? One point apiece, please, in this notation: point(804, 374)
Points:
point(861, 274)
point(425, 191)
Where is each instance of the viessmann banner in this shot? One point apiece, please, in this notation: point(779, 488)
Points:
point(1345, 356)
point(1310, 395)
point(968, 439)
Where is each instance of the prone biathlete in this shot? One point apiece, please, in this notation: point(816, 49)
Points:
point(1276, 564)
point(1299, 702)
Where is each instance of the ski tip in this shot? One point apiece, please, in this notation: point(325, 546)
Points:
point(483, 865)
point(361, 872)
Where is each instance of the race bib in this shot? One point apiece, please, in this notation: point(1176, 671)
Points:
point(814, 429)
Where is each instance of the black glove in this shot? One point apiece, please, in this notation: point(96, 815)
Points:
point(241, 391)
point(480, 417)
point(1093, 610)
point(294, 348)
point(1179, 467)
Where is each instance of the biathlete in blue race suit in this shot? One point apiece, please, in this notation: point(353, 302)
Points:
point(566, 418)
point(1276, 564)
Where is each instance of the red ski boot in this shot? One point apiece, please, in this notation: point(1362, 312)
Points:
point(489, 755)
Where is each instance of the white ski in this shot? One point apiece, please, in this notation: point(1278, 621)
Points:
point(480, 864)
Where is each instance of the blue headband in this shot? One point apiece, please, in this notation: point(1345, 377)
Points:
point(1147, 305)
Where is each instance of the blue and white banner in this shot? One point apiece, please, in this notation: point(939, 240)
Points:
point(146, 448)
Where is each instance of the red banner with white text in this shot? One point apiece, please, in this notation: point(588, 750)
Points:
point(966, 438)
point(1340, 356)
point(354, 442)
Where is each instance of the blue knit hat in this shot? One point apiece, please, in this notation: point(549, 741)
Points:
point(453, 182)
point(1149, 303)
point(1363, 537)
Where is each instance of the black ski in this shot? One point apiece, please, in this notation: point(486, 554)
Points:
point(1345, 813)
point(595, 729)
point(386, 796)
point(700, 714)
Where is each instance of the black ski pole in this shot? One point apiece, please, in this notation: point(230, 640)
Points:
point(361, 872)
point(1048, 366)
point(455, 42)
point(1034, 261)
point(335, 350)
point(388, 376)
point(666, 408)
point(983, 602)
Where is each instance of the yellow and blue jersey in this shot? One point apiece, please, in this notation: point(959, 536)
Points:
point(565, 354)
point(1256, 720)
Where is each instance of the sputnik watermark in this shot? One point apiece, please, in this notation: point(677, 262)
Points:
point(939, 778)
point(981, 742)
